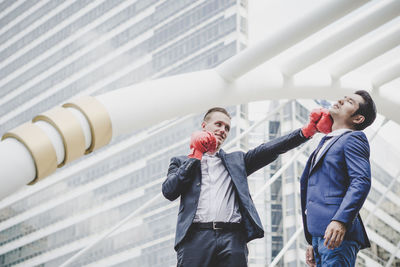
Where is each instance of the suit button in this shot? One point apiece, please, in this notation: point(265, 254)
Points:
point(198, 184)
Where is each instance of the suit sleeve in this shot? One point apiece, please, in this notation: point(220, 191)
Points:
point(178, 177)
point(356, 153)
point(265, 153)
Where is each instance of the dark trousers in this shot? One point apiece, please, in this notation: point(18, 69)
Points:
point(345, 255)
point(212, 248)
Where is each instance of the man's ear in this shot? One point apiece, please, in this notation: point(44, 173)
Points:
point(358, 119)
point(203, 125)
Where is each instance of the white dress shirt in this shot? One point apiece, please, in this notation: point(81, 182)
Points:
point(217, 202)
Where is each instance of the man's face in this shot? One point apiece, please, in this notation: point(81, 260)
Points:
point(343, 110)
point(219, 124)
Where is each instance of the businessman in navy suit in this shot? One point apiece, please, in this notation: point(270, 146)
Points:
point(217, 216)
point(335, 184)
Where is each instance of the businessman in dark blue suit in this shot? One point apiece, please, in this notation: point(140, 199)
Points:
point(217, 216)
point(335, 184)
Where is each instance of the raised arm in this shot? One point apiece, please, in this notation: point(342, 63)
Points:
point(319, 121)
point(267, 152)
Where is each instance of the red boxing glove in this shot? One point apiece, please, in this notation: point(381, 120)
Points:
point(202, 142)
point(324, 125)
point(311, 128)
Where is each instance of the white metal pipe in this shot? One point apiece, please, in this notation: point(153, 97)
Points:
point(104, 154)
point(307, 85)
point(366, 52)
point(84, 125)
point(375, 16)
point(387, 74)
point(150, 102)
point(55, 139)
point(13, 158)
point(298, 30)
point(145, 104)
point(16, 165)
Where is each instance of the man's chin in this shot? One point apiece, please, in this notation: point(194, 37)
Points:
point(219, 143)
point(333, 114)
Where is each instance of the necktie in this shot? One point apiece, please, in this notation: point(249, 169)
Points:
point(321, 143)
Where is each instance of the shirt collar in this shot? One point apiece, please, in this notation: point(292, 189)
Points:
point(339, 132)
point(216, 154)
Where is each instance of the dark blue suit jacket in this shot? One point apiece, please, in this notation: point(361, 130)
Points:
point(184, 180)
point(337, 186)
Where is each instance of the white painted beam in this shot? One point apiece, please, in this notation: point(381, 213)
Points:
point(363, 53)
point(387, 74)
point(367, 21)
point(298, 30)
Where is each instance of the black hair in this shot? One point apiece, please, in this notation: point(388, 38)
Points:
point(366, 109)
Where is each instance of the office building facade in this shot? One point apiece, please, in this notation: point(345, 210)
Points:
point(52, 51)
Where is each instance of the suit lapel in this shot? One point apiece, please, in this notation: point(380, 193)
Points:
point(226, 161)
point(222, 156)
point(308, 167)
point(333, 140)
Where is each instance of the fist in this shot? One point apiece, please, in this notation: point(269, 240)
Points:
point(320, 121)
point(316, 114)
point(311, 128)
point(202, 142)
point(324, 125)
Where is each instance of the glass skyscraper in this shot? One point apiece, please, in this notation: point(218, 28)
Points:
point(51, 51)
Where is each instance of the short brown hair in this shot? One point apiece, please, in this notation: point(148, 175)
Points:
point(215, 109)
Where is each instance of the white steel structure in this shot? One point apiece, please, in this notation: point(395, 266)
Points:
point(284, 66)
point(244, 78)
